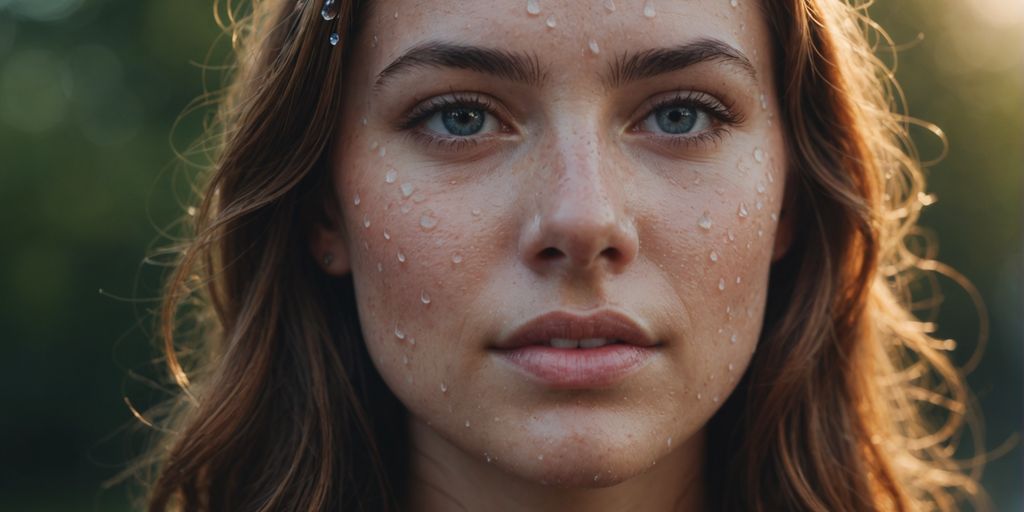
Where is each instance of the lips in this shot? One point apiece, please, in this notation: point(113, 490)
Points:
point(565, 351)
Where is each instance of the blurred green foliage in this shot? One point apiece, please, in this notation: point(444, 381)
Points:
point(90, 89)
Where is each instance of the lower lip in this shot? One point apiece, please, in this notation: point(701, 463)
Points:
point(578, 368)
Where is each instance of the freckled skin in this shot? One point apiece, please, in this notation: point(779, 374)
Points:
point(522, 225)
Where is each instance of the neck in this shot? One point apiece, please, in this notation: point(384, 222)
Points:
point(445, 478)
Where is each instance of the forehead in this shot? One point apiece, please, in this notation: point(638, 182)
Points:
point(563, 31)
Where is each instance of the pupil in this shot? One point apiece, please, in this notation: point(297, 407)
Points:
point(463, 121)
point(677, 119)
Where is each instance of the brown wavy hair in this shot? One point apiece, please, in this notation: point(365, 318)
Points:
point(848, 404)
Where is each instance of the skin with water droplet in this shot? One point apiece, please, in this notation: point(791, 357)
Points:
point(407, 189)
point(594, 48)
point(401, 257)
point(704, 221)
point(533, 7)
point(721, 284)
point(391, 176)
point(424, 297)
point(550, 22)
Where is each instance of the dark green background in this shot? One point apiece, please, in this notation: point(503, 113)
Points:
point(90, 89)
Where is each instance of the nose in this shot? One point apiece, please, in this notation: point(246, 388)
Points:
point(581, 225)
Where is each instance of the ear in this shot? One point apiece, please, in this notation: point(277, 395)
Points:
point(328, 243)
point(787, 219)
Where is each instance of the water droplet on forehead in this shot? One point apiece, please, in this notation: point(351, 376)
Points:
point(760, 187)
point(533, 7)
point(704, 221)
point(391, 176)
point(759, 154)
point(424, 297)
point(649, 11)
point(610, 5)
point(594, 48)
point(550, 22)
point(428, 221)
point(407, 189)
point(721, 284)
point(330, 10)
point(355, 199)
point(742, 211)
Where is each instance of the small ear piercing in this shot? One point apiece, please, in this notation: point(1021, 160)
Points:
point(328, 259)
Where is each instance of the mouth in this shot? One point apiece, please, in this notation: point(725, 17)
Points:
point(564, 351)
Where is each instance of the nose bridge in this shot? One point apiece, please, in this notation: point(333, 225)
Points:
point(581, 218)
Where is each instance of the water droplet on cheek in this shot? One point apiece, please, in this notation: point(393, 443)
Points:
point(355, 199)
point(649, 11)
point(387, 236)
point(401, 257)
point(733, 339)
point(407, 189)
point(742, 211)
point(731, 367)
point(444, 387)
point(721, 284)
point(610, 6)
point(759, 155)
point(594, 48)
point(533, 7)
point(428, 221)
point(391, 176)
point(467, 423)
point(399, 333)
point(366, 221)
point(456, 258)
point(668, 442)
point(704, 221)
point(714, 256)
point(550, 22)
point(424, 298)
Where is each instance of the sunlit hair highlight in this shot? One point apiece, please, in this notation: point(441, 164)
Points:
point(848, 405)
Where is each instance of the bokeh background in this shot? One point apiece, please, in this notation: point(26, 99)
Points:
point(89, 182)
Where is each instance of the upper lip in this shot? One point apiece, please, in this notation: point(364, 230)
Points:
point(562, 324)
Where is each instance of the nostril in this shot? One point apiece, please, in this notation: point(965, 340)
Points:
point(550, 253)
point(612, 254)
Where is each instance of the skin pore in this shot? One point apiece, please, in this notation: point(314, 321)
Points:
point(625, 159)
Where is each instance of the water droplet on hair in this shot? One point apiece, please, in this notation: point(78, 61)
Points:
point(759, 155)
point(366, 221)
point(704, 221)
point(649, 11)
point(401, 257)
point(476, 212)
point(356, 200)
point(391, 176)
point(424, 297)
point(330, 10)
point(334, 38)
point(550, 22)
point(721, 284)
point(444, 387)
point(407, 189)
point(191, 211)
point(456, 258)
point(594, 48)
point(399, 333)
point(428, 221)
point(533, 7)
point(733, 338)
point(714, 256)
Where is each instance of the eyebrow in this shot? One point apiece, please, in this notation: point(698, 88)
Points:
point(517, 67)
point(526, 67)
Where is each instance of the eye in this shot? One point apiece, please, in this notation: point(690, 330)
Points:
point(458, 116)
point(677, 119)
point(687, 115)
point(460, 121)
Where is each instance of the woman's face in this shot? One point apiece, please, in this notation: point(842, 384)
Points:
point(595, 160)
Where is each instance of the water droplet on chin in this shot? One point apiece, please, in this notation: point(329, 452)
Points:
point(533, 7)
point(594, 48)
point(649, 11)
point(550, 22)
point(391, 176)
point(704, 221)
point(330, 10)
point(407, 189)
point(424, 297)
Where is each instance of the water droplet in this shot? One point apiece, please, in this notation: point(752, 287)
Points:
point(456, 258)
point(540, 457)
point(764, 102)
point(366, 221)
point(699, 396)
point(355, 199)
point(401, 257)
point(382, 151)
point(759, 155)
point(444, 387)
point(533, 7)
point(387, 236)
point(594, 48)
point(418, 197)
point(721, 284)
point(610, 5)
point(649, 11)
point(424, 297)
point(704, 221)
point(715, 399)
point(391, 176)
point(732, 237)
point(191, 211)
point(760, 187)
point(407, 189)
point(380, 267)
point(396, 15)
point(714, 256)
point(330, 10)
point(476, 212)
point(775, 217)
point(428, 221)
point(365, 121)
point(373, 145)
point(759, 204)
point(732, 339)
point(738, 279)
point(467, 423)
point(488, 457)
point(412, 341)
point(334, 38)
point(731, 367)
point(771, 177)
point(550, 22)
point(760, 232)
point(734, 3)
point(374, 41)
point(399, 333)
point(405, 360)
point(406, 208)
point(743, 210)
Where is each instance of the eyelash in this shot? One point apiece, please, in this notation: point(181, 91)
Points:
point(724, 116)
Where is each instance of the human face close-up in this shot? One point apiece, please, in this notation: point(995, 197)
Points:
point(605, 163)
